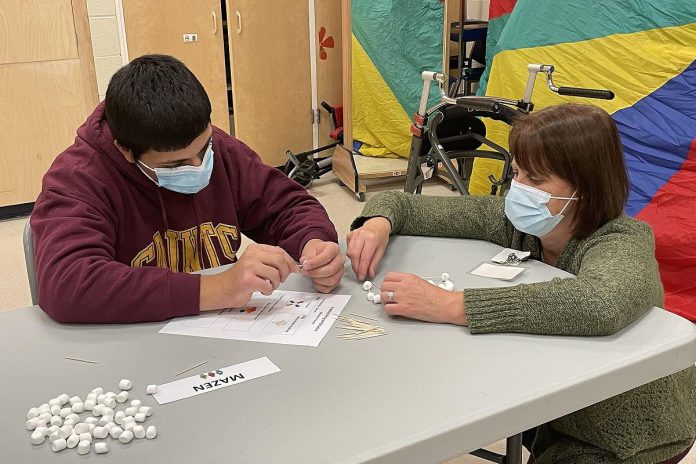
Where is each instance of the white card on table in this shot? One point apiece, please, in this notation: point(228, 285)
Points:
point(214, 380)
point(503, 256)
point(497, 272)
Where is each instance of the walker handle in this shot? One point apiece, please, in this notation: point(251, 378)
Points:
point(586, 93)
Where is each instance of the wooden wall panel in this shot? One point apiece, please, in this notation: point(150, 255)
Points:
point(329, 63)
point(36, 30)
point(42, 106)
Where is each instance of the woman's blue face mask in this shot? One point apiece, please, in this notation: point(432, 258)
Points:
point(527, 208)
point(184, 179)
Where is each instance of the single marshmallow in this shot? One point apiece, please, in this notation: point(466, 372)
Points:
point(377, 299)
point(59, 445)
point(122, 397)
point(101, 448)
point(127, 419)
point(91, 396)
point(100, 432)
point(445, 277)
point(136, 403)
point(367, 285)
point(33, 412)
point(105, 420)
point(449, 285)
point(31, 424)
point(75, 399)
point(132, 411)
point(151, 389)
point(110, 402)
point(146, 409)
point(118, 417)
point(125, 384)
point(139, 431)
point(54, 436)
point(41, 423)
point(51, 430)
point(44, 408)
point(72, 441)
point(129, 426)
point(64, 398)
point(109, 426)
point(370, 296)
point(151, 432)
point(126, 437)
point(85, 436)
point(70, 422)
point(107, 411)
point(82, 427)
point(65, 431)
point(54, 402)
point(56, 420)
point(116, 432)
point(91, 427)
point(38, 436)
point(84, 447)
point(45, 416)
point(89, 404)
point(442, 286)
point(97, 409)
point(140, 417)
point(55, 409)
point(78, 407)
point(98, 391)
point(111, 395)
point(101, 398)
point(64, 412)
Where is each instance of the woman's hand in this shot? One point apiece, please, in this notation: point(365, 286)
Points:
point(366, 246)
point(416, 298)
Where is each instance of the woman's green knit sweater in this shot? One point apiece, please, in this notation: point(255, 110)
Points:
point(617, 280)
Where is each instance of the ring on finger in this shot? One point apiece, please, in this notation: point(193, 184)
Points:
point(390, 297)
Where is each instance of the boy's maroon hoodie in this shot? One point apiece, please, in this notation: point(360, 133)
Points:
point(111, 246)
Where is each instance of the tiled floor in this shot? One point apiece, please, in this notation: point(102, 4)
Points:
point(338, 201)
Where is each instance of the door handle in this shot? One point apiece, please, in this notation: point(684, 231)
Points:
point(214, 22)
point(239, 21)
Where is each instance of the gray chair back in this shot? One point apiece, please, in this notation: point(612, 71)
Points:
point(28, 240)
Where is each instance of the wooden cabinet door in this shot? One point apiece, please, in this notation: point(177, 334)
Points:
point(271, 89)
point(158, 26)
point(47, 89)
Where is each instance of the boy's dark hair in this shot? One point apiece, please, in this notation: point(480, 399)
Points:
point(581, 145)
point(156, 103)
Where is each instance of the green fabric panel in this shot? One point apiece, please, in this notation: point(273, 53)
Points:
point(402, 38)
point(546, 22)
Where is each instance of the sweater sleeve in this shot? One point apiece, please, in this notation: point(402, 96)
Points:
point(617, 281)
point(276, 210)
point(79, 280)
point(473, 217)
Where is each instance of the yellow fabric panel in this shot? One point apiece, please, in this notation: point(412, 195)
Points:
point(632, 65)
point(379, 120)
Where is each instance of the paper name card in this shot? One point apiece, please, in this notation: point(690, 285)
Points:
point(214, 380)
point(497, 272)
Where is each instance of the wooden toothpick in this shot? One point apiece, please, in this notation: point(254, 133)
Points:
point(192, 367)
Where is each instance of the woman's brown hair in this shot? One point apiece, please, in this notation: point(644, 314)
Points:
point(580, 144)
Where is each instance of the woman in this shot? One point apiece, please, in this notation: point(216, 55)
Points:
point(565, 206)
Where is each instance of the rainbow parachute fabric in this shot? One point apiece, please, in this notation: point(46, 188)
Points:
point(646, 53)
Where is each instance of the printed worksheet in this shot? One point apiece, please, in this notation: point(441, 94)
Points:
point(291, 318)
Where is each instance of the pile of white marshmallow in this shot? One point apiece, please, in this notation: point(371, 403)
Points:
point(59, 420)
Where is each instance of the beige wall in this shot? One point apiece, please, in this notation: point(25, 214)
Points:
point(106, 41)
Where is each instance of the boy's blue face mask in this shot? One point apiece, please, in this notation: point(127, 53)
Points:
point(527, 208)
point(184, 179)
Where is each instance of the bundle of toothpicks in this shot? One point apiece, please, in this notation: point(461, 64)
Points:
point(357, 329)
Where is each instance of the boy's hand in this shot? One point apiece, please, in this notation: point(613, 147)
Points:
point(262, 268)
point(324, 263)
